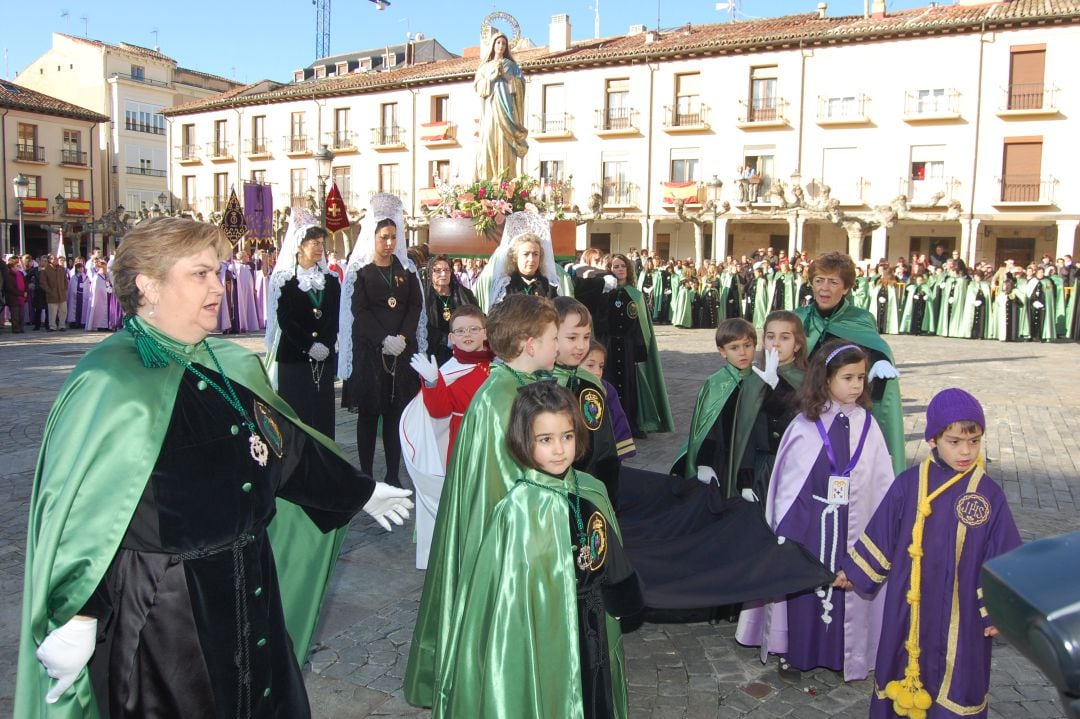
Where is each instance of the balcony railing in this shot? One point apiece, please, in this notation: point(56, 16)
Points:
point(1020, 97)
point(692, 117)
point(72, 157)
point(1027, 189)
point(929, 192)
point(29, 153)
point(143, 127)
point(139, 78)
point(187, 153)
point(764, 111)
point(617, 194)
point(147, 171)
point(341, 140)
point(849, 192)
point(217, 204)
point(552, 123)
point(219, 150)
point(439, 133)
point(298, 144)
point(931, 105)
point(849, 110)
point(616, 119)
point(298, 200)
point(258, 146)
point(388, 136)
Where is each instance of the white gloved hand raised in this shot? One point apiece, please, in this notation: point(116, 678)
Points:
point(389, 504)
point(318, 351)
point(882, 369)
point(772, 362)
point(426, 367)
point(610, 283)
point(65, 652)
point(706, 474)
point(749, 496)
point(393, 345)
point(1037, 305)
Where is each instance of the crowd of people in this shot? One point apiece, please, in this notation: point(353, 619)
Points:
point(512, 390)
point(937, 294)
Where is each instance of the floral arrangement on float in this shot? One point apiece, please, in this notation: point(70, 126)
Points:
point(488, 202)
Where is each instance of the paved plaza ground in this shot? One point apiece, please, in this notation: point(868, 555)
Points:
point(676, 669)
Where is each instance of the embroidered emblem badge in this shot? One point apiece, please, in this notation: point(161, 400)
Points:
point(592, 408)
point(973, 510)
point(268, 427)
point(597, 529)
point(631, 310)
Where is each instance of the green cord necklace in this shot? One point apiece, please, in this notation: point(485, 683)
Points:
point(259, 451)
point(583, 550)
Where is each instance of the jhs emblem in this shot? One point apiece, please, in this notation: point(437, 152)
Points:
point(592, 409)
point(973, 510)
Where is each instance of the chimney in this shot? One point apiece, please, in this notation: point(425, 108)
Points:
point(877, 11)
point(636, 30)
point(559, 33)
point(821, 8)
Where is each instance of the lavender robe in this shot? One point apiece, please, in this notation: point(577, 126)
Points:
point(78, 299)
point(960, 534)
point(245, 297)
point(97, 313)
point(793, 626)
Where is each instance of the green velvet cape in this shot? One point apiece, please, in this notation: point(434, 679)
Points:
point(712, 397)
point(102, 440)
point(857, 326)
point(929, 316)
point(653, 406)
point(514, 650)
point(480, 473)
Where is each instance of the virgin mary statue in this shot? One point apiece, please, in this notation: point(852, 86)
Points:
point(501, 88)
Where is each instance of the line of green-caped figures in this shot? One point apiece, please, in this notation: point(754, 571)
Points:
point(684, 298)
point(955, 305)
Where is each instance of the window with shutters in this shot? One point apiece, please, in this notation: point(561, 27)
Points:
point(688, 99)
point(1027, 67)
point(764, 103)
point(616, 104)
point(553, 119)
point(1021, 179)
point(187, 193)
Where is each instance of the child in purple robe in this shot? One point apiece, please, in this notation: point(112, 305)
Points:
point(940, 521)
point(624, 438)
point(832, 470)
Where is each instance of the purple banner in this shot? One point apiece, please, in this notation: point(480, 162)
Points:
point(259, 211)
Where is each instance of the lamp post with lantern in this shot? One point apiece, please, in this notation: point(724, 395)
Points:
point(22, 191)
point(324, 158)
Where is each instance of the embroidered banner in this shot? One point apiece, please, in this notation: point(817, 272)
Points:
point(337, 217)
point(233, 224)
point(259, 211)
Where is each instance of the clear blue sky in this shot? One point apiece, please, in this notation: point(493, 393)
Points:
point(255, 40)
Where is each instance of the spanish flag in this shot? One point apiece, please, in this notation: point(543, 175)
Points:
point(36, 205)
point(78, 207)
point(675, 191)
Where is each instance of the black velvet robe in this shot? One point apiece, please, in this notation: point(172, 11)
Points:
point(191, 596)
point(303, 324)
point(625, 348)
point(539, 286)
point(601, 459)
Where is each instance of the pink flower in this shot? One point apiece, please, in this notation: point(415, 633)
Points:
point(524, 193)
point(481, 192)
point(491, 213)
point(460, 213)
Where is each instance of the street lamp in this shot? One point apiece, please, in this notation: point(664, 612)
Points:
point(164, 198)
point(719, 243)
point(22, 191)
point(324, 158)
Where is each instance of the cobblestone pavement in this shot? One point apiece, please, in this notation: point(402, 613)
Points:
point(675, 669)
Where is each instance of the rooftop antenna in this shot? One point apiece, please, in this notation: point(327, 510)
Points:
point(85, 26)
point(65, 15)
point(596, 19)
point(730, 6)
point(657, 18)
point(157, 46)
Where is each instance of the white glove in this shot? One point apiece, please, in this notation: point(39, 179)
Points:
point(706, 474)
point(389, 503)
point(749, 496)
point(667, 292)
point(65, 652)
point(978, 303)
point(882, 369)
point(393, 345)
point(426, 367)
point(1037, 305)
point(882, 299)
point(318, 351)
point(951, 300)
point(772, 361)
point(610, 283)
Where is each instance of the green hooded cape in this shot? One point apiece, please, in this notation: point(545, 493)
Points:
point(857, 326)
point(967, 318)
point(892, 310)
point(102, 440)
point(514, 651)
point(928, 324)
point(480, 473)
point(654, 409)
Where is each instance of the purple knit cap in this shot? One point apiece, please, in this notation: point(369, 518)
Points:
point(952, 405)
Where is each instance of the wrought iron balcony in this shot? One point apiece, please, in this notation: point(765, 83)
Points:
point(843, 110)
point(690, 118)
point(139, 78)
point(551, 125)
point(1029, 99)
point(147, 171)
point(143, 127)
point(763, 112)
point(219, 150)
point(616, 194)
point(72, 157)
point(928, 105)
point(298, 145)
point(616, 121)
point(258, 146)
point(29, 153)
point(342, 140)
point(388, 137)
point(187, 153)
point(1028, 190)
point(930, 192)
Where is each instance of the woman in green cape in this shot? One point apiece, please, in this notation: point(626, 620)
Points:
point(685, 295)
point(179, 570)
point(884, 303)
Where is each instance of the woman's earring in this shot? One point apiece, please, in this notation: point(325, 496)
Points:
point(153, 311)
